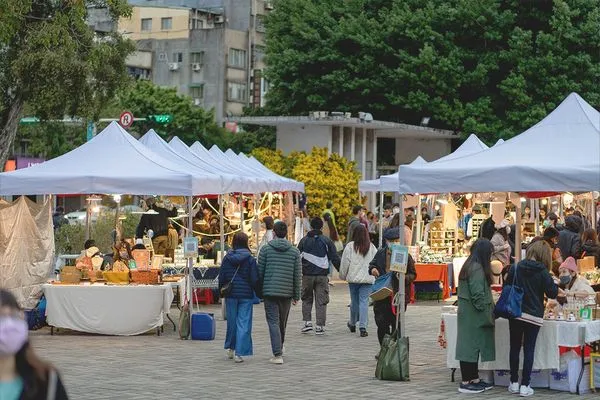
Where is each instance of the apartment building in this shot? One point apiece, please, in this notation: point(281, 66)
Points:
point(210, 50)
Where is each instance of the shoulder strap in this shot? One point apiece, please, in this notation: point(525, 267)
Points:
point(51, 390)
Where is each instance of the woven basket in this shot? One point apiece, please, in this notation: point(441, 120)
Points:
point(144, 277)
point(70, 275)
point(116, 277)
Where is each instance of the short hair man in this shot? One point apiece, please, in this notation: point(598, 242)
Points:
point(280, 272)
point(317, 251)
point(357, 214)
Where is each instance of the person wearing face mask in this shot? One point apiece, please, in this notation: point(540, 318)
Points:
point(570, 281)
point(23, 376)
point(500, 242)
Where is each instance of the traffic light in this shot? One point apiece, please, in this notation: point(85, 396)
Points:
point(161, 118)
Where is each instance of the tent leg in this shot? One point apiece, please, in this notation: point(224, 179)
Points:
point(221, 225)
point(380, 219)
point(401, 276)
point(518, 232)
point(241, 212)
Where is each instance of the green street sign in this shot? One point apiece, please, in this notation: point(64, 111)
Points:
point(161, 118)
point(29, 120)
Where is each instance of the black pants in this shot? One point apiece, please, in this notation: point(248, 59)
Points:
point(469, 371)
point(526, 334)
point(384, 318)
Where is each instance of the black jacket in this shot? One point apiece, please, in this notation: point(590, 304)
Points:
point(569, 240)
point(159, 223)
point(592, 248)
point(535, 280)
point(380, 263)
point(318, 245)
point(59, 394)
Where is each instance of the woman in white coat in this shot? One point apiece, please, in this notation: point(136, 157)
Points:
point(354, 269)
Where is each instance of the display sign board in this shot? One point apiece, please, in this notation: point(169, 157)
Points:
point(399, 259)
point(190, 247)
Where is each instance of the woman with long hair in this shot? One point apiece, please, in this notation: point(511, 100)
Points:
point(354, 269)
point(23, 376)
point(475, 337)
point(533, 276)
point(591, 245)
point(239, 269)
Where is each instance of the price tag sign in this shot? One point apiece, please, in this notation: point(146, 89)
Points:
point(190, 247)
point(399, 258)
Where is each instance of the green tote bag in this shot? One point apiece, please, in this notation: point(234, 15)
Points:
point(392, 364)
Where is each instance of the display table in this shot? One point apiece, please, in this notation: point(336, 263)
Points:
point(434, 273)
point(106, 309)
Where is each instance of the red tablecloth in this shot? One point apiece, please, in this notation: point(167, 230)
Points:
point(433, 273)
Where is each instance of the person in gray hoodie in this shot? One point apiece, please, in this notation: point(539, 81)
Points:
point(354, 221)
point(280, 272)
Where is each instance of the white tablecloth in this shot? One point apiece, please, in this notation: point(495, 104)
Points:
point(181, 284)
point(552, 335)
point(109, 310)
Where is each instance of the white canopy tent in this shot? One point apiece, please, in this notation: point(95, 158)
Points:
point(560, 153)
point(112, 162)
point(155, 143)
point(247, 183)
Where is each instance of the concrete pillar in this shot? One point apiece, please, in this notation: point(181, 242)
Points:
point(363, 157)
point(353, 145)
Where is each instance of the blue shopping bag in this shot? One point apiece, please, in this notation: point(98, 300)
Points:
point(382, 287)
point(510, 301)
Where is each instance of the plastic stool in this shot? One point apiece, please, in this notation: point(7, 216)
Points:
point(203, 296)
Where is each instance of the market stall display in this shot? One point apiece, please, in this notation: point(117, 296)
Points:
point(434, 273)
point(107, 309)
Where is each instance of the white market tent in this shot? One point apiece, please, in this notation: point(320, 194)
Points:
point(112, 162)
point(249, 184)
point(560, 153)
point(291, 183)
point(389, 183)
point(154, 142)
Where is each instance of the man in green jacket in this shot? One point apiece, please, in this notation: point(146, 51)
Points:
point(280, 271)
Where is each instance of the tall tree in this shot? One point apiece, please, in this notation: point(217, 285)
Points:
point(51, 60)
point(189, 122)
point(489, 67)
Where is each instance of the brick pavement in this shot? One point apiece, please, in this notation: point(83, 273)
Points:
point(337, 365)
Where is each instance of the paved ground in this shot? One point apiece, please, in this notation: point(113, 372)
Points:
point(339, 365)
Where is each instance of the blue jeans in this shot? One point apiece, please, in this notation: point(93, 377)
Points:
point(277, 310)
point(239, 326)
point(525, 333)
point(359, 303)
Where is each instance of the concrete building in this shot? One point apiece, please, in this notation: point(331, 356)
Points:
point(377, 147)
point(210, 50)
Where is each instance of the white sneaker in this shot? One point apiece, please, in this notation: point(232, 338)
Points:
point(513, 388)
point(526, 391)
point(319, 330)
point(238, 359)
point(230, 354)
point(276, 360)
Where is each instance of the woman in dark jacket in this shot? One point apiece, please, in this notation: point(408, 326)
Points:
point(25, 377)
point(239, 268)
point(591, 246)
point(475, 333)
point(569, 239)
point(384, 315)
point(533, 276)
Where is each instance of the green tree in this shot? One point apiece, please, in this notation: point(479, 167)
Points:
point(51, 139)
point(490, 67)
point(51, 60)
point(190, 123)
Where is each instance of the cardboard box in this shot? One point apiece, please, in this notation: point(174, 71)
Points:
point(586, 264)
point(540, 378)
point(566, 380)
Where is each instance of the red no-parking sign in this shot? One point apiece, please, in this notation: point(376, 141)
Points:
point(126, 119)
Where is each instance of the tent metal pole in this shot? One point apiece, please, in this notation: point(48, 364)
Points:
point(256, 218)
point(241, 212)
point(401, 277)
point(518, 230)
point(221, 226)
point(418, 228)
point(380, 219)
point(87, 220)
point(536, 216)
point(190, 261)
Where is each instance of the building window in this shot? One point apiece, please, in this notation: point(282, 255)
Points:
point(237, 92)
point(166, 24)
point(260, 23)
point(197, 57)
point(197, 23)
point(258, 54)
point(197, 91)
point(146, 24)
point(237, 58)
point(139, 73)
point(177, 57)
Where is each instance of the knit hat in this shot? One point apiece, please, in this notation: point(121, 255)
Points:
point(570, 264)
point(391, 234)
